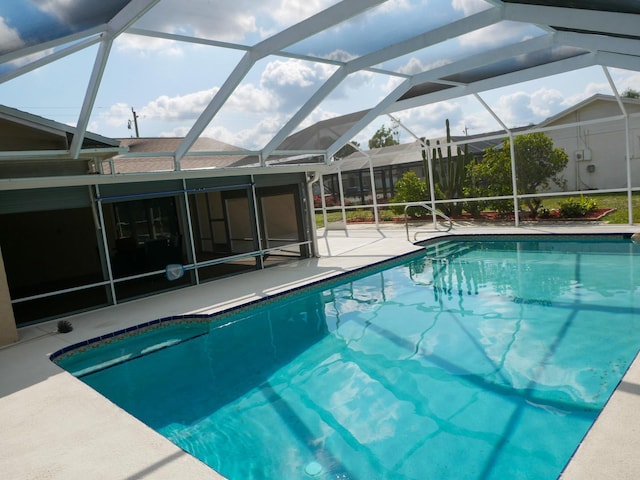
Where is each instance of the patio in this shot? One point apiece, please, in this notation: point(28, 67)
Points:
point(55, 427)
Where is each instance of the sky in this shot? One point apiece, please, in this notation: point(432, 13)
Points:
point(168, 83)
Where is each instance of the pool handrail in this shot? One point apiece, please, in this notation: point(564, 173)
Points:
point(430, 209)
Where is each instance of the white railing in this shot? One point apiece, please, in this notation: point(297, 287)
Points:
point(430, 209)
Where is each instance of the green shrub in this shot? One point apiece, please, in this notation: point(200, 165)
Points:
point(572, 207)
point(409, 189)
point(544, 212)
point(474, 208)
point(386, 215)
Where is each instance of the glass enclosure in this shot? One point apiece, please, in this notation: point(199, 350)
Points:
point(62, 260)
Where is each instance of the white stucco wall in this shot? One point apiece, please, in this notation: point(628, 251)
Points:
point(602, 146)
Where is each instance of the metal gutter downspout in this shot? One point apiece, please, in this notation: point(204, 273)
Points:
point(315, 176)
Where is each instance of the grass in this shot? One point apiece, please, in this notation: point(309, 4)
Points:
point(617, 201)
point(352, 215)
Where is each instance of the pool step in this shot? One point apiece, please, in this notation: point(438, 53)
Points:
point(448, 250)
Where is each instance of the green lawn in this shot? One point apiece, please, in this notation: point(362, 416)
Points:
point(617, 201)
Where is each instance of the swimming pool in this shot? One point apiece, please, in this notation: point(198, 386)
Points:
point(483, 358)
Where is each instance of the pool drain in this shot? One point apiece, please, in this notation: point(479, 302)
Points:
point(313, 469)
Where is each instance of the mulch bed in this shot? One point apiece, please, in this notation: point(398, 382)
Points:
point(596, 214)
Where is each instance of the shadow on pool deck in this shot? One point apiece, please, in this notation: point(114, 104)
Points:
point(55, 427)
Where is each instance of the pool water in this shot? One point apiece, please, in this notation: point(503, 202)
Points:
point(481, 359)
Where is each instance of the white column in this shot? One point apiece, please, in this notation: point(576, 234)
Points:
point(8, 330)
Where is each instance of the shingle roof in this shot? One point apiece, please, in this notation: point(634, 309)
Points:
point(132, 163)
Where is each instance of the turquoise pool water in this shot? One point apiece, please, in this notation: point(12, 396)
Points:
point(482, 359)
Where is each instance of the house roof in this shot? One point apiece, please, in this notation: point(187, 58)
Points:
point(143, 155)
point(412, 152)
point(384, 156)
point(589, 101)
point(34, 125)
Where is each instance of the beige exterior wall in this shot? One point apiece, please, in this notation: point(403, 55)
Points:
point(8, 330)
point(597, 152)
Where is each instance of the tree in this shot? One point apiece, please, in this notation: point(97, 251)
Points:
point(631, 93)
point(537, 164)
point(409, 189)
point(448, 172)
point(384, 137)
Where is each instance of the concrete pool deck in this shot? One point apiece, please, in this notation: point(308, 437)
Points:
point(55, 427)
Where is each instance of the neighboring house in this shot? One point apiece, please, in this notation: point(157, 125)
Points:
point(389, 164)
point(597, 151)
point(78, 234)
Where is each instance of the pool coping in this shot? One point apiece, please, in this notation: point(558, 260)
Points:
point(35, 444)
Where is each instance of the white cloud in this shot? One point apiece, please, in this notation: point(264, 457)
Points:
point(495, 35)
point(117, 115)
point(290, 83)
point(626, 79)
point(251, 99)
point(292, 73)
point(288, 12)
point(9, 37)
point(546, 102)
point(464, 115)
point(229, 22)
point(429, 120)
point(393, 6)
point(515, 109)
point(523, 108)
point(52, 6)
point(354, 89)
point(181, 107)
point(591, 89)
point(117, 120)
point(469, 7)
point(255, 137)
point(339, 56)
point(623, 80)
point(475, 123)
point(144, 45)
point(246, 99)
point(282, 87)
point(62, 9)
point(248, 138)
point(242, 21)
point(77, 13)
point(92, 127)
point(414, 65)
point(31, 58)
point(217, 132)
